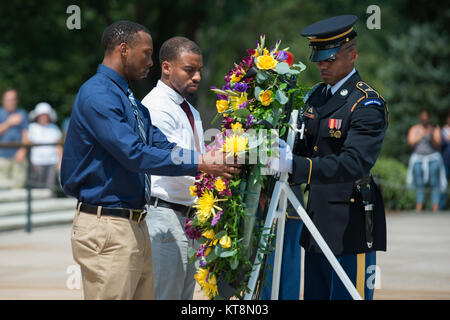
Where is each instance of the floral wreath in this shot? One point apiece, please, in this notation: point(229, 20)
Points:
point(226, 222)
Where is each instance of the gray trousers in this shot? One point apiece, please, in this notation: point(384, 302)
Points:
point(173, 274)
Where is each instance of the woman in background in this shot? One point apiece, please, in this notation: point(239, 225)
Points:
point(45, 160)
point(425, 164)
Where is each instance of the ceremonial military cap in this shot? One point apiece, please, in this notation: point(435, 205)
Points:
point(327, 36)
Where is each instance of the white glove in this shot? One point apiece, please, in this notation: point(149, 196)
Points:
point(282, 162)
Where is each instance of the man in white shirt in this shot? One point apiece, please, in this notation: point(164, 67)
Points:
point(181, 62)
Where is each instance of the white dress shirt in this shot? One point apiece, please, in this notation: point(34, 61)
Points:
point(339, 84)
point(166, 114)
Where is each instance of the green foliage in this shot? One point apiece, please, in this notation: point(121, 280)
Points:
point(417, 79)
point(390, 175)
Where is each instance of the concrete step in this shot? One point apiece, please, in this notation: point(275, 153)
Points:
point(12, 195)
point(42, 219)
point(37, 206)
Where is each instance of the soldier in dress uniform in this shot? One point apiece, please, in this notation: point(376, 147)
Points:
point(345, 123)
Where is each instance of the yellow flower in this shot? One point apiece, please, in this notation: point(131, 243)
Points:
point(207, 282)
point(236, 101)
point(209, 234)
point(265, 52)
point(221, 105)
point(193, 190)
point(235, 144)
point(266, 62)
point(256, 54)
point(265, 97)
point(225, 241)
point(236, 127)
point(236, 78)
point(206, 206)
point(220, 185)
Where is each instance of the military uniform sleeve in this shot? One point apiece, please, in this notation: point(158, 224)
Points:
point(359, 152)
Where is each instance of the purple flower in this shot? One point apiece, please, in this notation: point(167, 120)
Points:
point(282, 55)
point(201, 251)
point(227, 121)
point(216, 218)
point(243, 105)
point(202, 263)
point(249, 122)
point(240, 87)
point(191, 232)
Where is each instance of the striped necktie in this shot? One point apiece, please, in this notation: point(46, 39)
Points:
point(143, 136)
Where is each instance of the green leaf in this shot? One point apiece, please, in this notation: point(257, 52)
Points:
point(234, 263)
point(281, 97)
point(261, 76)
point(191, 252)
point(242, 113)
point(215, 118)
point(228, 253)
point(220, 235)
point(300, 66)
point(282, 68)
point(211, 256)
point(257, 92)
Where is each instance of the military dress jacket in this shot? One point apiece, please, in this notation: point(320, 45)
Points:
point(342, 140)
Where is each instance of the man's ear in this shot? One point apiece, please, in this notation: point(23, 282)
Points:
point(166, 68)
point(353, 55)
point(123, 49)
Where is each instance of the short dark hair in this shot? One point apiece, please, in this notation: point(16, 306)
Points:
point(172, 47)
point(119, 32)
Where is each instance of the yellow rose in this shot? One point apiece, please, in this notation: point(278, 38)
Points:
point(209, 234)
point(225, 241)
point(193, 190)
point(265, 97)
point(220, 185)
point(221, 105)
point(266, 62)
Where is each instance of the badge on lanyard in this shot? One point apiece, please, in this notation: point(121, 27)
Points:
point(335, 125)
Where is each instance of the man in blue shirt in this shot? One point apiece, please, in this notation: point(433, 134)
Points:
point(110, 151)
point(13, 128)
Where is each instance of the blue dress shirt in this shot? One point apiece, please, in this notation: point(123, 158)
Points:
point(104, 158)
point(13, 134)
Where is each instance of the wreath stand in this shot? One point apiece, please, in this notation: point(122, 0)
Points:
point(281, 194)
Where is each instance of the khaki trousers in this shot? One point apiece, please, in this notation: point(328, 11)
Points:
point(114, 255)
point(13, 174)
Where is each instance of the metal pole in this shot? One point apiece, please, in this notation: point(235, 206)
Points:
point(28, 183)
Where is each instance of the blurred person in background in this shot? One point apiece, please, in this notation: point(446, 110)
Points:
point(425, 164)
point(45, 160)
point(445, 132)
point(13, 128)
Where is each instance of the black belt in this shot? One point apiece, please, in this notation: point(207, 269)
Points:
point(185, 211)
point(133, 214)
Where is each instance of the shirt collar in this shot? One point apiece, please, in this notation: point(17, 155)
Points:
point(173, 95)
point(340, 82)
point(114, 76)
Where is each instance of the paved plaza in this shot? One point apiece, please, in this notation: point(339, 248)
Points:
point(39, 265)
